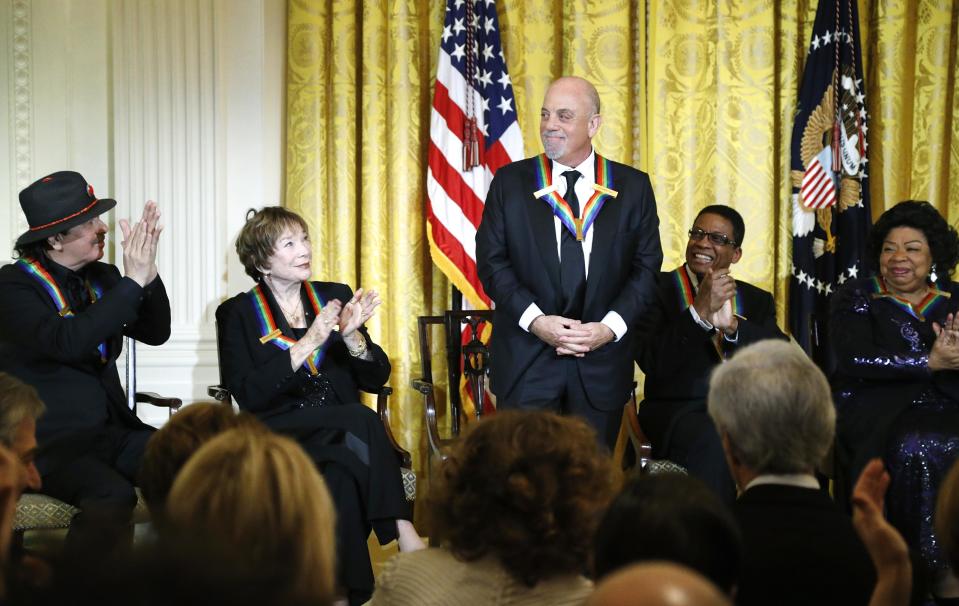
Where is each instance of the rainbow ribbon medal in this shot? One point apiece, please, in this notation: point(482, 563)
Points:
point(33, 269)
point(602, 191)
point(272, 334)
point(919, 312)
point(684, 286)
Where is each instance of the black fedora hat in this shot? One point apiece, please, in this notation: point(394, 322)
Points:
point(57, 202)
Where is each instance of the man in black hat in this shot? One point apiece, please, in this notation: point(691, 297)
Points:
point(63, 314)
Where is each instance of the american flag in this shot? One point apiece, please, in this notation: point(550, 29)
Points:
point(473, 132)
point(473, 101)
point(830, 174)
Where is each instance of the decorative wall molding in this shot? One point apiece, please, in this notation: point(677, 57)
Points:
point(22, 95)
point(22, 92)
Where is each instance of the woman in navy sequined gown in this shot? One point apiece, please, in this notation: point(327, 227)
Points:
point(896, 340)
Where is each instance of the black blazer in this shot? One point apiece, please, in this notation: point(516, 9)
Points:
point(799, 548)
point(259, 375)
point(59, 356)
point(518, 264)
point(677, 355)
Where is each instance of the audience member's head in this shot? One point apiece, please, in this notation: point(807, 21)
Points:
point(169, 448)
point(527, 488)
point(947, 517)
point(656, 584)
point(20, 407)
point(261, 494)
point(671, 518)
point(773, 409)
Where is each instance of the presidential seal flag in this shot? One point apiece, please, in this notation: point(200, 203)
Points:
point(830, 174)
point(473, 132)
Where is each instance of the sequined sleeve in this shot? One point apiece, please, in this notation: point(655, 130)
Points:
point(855, 327)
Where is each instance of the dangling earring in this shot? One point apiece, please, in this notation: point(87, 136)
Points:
point(932, 273)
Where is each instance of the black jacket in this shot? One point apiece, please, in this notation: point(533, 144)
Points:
point(259, 375)
point(799, 548)
point(677, 354)
point(518, 264)
point(59, 356)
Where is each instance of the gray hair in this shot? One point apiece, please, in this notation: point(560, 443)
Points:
point(775, 408)
point(18, 401)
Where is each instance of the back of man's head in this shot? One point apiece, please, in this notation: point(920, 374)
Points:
point(774, 407)
point(656, 584)
point(670, 518)
point(18, 402)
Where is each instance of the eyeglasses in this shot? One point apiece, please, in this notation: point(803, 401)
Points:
point(715, 237)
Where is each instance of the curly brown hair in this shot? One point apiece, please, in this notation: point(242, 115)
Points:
point(526, 487)
point(258, 236)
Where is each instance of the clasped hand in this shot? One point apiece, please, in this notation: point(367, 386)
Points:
point(945, 349)
point(571, 337)
point(140, 245)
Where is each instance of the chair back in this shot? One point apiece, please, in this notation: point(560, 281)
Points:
point(219, 392)
point(469, 360)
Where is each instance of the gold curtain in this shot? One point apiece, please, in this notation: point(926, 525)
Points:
point(698, 94)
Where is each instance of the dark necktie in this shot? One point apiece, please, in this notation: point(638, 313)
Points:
point(571, 261)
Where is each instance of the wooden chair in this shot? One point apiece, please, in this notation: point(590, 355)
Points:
point(39, 512)
point(221, 394)
point(474, 358)
point(631, 436)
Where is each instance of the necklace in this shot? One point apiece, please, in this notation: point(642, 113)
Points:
point(295, 317)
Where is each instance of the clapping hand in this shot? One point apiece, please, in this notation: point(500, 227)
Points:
point(358, 310)
point(885, 545)
point(140, 245)
point(323, 323)
point(716, 288)
point(724, 319)
point(945, 350)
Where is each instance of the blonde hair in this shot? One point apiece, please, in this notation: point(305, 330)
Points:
point(260, 494)
point(172, 445)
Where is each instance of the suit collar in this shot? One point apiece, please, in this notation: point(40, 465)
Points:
point(541, 224)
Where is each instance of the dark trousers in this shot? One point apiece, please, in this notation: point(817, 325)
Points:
point(553, 383)
point(95, 470)
point(695, 444)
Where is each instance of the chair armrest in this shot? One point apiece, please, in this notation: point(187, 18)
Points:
point(383, 410)
point(438, 446)
point(218, 393)
point(641, 444)
point(149, 397)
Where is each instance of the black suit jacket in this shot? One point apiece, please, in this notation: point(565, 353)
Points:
point(677, 355)
point(59, 356)
point(259, 375)
point(799, 548)
point(518, 264)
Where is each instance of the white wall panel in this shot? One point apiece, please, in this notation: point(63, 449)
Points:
point(178, 101)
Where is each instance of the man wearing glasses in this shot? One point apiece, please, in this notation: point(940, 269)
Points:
point(702, 315)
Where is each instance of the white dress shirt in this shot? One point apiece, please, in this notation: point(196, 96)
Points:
point(584, 191)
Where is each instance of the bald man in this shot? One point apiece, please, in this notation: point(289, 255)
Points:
point(656, 584)
point(569, 251)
